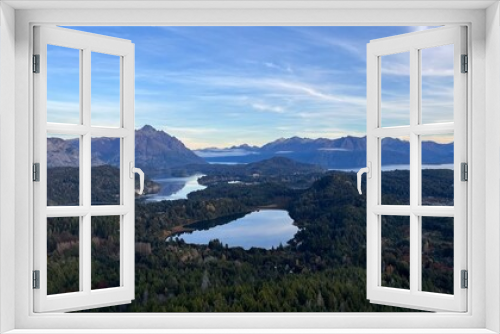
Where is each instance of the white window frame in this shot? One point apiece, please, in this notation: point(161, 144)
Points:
point(16, 228)
point(86, 44)
point(412, 44)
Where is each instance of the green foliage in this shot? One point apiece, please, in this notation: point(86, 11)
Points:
point(63, 255)
point(63, 186)
point(105, 252)
point(322, 269)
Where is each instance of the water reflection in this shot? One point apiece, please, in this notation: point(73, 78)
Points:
point(388, 168)
point(262, 229)
point(173, 188)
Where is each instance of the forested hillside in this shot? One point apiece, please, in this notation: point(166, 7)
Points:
point(321, 269)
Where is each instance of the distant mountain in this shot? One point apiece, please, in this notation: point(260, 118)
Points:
point(280, 166)
point(158, 151)
point(154, 150)
point(63, 153)
point(346, 152)
point(245, 147)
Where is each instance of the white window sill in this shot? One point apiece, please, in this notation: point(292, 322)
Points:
point(253, 331)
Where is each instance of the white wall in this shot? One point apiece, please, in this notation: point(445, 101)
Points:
point(493, 163)
point(7, 169)
point(279, 17)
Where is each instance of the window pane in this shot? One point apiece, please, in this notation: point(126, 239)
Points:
point(63, 85)
point(63, 170)
point(396, 251)
point(437, 170)
point(105, 90)
point(105, 171)
point(437, 254)
point(395, 89)
point(105, 252)
point(63, 251)
point(395, 176)
point(437, 84)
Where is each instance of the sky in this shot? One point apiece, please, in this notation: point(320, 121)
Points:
point(225, 86)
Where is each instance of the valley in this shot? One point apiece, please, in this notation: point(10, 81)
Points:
point(318, 267)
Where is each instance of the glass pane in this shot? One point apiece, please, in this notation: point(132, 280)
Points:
point(105, 188)
point(437, 170)
point(395, 89)
point(437, 254)
point(395, 176)
point(437, 84)
point(105, 90)
point(396, 252)
point(63, 170)
point(105, 252)
point(63, 251)
point(63, 85)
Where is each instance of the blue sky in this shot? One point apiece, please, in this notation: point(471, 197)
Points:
point(224, 86)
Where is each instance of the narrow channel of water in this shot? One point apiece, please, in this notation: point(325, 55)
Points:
point(173, 188)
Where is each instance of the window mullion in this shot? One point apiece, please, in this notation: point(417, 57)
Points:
point(414, 168)
point(86, 162)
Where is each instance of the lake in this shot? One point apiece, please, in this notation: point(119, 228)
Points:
point(262, 229)
point(387, 168)
point(173, 188)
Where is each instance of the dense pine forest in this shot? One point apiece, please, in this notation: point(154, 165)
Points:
point(322, 269)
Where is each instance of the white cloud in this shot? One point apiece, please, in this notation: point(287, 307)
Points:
point(270, 65)
point(418, 28)
point(285, 89)
point(173, 130)
point(350, 46)
point(63, 112)
point(268, 108)
point(286, 68)
point(331, 133)
point(436, 62)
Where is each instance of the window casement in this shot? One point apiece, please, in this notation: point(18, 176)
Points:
point(415, 125)
point(81, 216)
point(19, 116)
point(17, 157)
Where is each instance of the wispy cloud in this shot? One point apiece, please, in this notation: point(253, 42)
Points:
point(63, 111)
point(336, 42)
point(224, 86)
point(268, 108)
point(419, 28)
point(435, 62)
point(189, 130)
point(283, 68)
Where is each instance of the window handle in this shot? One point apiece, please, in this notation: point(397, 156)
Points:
point(139, 171)
point(368, 171)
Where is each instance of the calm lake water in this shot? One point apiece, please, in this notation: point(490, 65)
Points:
point(262, 229)
point(387, 168)
point(173, 188)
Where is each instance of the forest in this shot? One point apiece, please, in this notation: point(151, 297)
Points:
point(322, 269)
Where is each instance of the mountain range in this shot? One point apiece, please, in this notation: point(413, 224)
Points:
point(345, 152)
point(156, 150)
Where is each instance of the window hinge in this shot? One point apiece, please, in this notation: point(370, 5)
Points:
point(36, 63)
point(464, 171)
point(36, 172)
point(465, 64)
point(464, 279)
point(36, 279)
